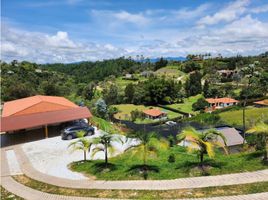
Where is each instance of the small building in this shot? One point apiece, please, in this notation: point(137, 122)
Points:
point(147, 73)
point(219, 103)
point(234, 141)
point(263, 103)
point(38, 70)
point(39, 111)
point(154, 114)
point(128, 76)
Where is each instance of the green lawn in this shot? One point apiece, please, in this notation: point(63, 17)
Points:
point(235, 117)
point(122, 83)
point(125, 110)
point(172, 72)
point(187, 105)
point(127, 167)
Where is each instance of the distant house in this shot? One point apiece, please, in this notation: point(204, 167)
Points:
point(263, 103)
point(128, 76)
point(147, 73)
point(219, 103)
point(234, 140)
point(38, 70)
point(154, 114)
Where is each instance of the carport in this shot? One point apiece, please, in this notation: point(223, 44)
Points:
point(39, 111)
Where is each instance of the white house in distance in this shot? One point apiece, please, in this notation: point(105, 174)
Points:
point(219, 103)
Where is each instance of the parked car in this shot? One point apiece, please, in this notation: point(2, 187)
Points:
point(171, 123)
point(71, 132)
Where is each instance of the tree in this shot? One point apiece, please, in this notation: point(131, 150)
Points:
point(249, 72)
point(129, 93)
point(200, 104)
point(191, 66)
point(89, 91)
point(193, 84)
point(101, 108)
point(149, 144)
point(104, 142)
point(18, 91)
point(206, 88)
point(161, 63)
point(261, 129)
point(50, 88)
point(202, 142)
point(82, 143)
point(110, 94)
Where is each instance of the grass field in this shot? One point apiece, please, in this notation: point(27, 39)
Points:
point(171, 71)
point(187, 105)
point(127, 166)
point(143, 194)
point(122, 83)
point(125, 110)
point(252, 114)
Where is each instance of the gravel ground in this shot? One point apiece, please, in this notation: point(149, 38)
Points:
point(52, 156)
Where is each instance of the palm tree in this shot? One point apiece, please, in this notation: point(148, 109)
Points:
point(261, 129)
point(202, 142)
point(82, 143)
point(149, 144)
point(104, 144)
point(104, 141)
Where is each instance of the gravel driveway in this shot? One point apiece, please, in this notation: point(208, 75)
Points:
point(52, 156)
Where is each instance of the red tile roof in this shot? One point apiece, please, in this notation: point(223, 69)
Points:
point(153, 112)
point(263, 102)
point(39, 110)
point(221, 100)
point(36, 104)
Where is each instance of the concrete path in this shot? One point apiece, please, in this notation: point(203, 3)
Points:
point(30, 194)
point(182, 183)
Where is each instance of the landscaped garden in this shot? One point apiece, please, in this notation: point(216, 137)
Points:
point(127, 166)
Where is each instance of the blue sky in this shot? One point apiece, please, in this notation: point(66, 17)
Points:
point(77, 30)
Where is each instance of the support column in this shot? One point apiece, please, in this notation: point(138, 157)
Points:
point(46, 131)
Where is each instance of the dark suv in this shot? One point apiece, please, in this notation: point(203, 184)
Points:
point(71, 132)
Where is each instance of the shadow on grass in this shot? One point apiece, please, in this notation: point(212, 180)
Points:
point(203, 169)
point(102, 167)
point(254, 155)
point(143, 170)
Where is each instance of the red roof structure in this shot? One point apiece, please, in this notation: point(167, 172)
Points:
point(221, 100)
point(262, 103)
point(153, 112)
point(39, 110)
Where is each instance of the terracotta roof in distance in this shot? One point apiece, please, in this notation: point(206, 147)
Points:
point(263, 102)
point(153, 112)
point(221, 100)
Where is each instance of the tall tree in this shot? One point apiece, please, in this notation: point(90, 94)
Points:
point(261, 129)
point(129, 93)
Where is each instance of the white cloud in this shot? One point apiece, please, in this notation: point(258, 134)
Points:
point(260, 9)
point(119, 17)
point(229, 13)
point(43, 48)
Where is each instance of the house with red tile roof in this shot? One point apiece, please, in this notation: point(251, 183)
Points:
point(263, 103)
point(38, 111)
point(154, 113)
point(218, 103)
